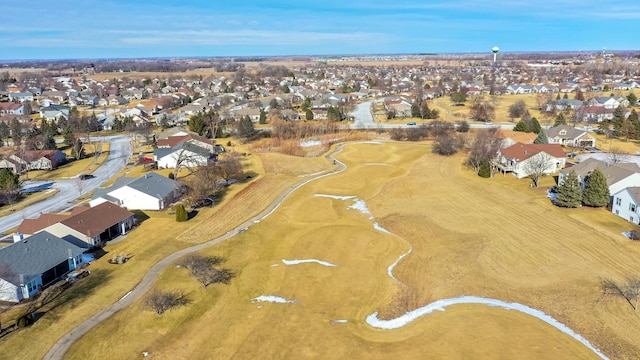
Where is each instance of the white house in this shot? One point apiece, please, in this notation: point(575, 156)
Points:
point(151, 191)
point(569, 136)
point(519, 158)
point(626, 204)
point(186, 154)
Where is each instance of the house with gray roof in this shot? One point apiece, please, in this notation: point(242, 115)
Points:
point(619, 176)
point(626, 204)
point(185, 154)
point(151, 191)
point(28, 265)
point(569, 136)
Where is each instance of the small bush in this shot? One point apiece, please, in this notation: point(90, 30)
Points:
point(171, 176)
point(484, 171)
point(181, 213)
point(161, 301)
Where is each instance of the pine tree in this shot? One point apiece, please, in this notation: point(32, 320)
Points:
point(542, 138)
point(181, 213)
point(569, 192)
point(596, 191)
point(522, 127)
point(263, 117)
point(484, 170)
point(536, 127)
point(560, 120)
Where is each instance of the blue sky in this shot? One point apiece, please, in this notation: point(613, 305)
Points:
point(63, 29)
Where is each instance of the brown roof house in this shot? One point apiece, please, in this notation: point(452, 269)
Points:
point(521, 159)
point(41, 159)
point(85, 227)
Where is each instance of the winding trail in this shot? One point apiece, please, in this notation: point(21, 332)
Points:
point(60, 348)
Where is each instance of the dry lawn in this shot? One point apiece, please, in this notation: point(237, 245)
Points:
point(470, 236)
point(83, 166)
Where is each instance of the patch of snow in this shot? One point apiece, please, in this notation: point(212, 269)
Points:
point(627, 234)
point(361, 206)
point(339, 321)
point(303, 261)
point(380, 228)
point(440, 305)
point(336, 197)
point(275, 265)
point(309, 143)
point(390, 268)
point(272, 299)
point(552, 196)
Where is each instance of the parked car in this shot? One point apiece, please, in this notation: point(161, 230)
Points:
point(411, 123)
point(488, 122)
point(86, 176)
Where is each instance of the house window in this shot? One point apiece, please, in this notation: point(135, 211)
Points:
point(618, 201)
point(31, 286)
point(632, 207)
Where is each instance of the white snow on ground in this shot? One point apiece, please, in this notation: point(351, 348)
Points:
point(361, 206)
point(390, 268)
point(552, 196)
point(627, 234)
point(337, 197)
point(272, 299)
point(340, 321)
point(303, 261)
point(441, 304)
point(310, 143)
point(380, 228)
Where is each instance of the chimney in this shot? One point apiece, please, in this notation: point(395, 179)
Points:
point(17, 237)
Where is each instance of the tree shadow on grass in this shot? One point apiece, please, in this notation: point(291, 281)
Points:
point(140, 216)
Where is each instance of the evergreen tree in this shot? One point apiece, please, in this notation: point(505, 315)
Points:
point(536, 127)
point(596, 191)
point(542, 138)
point(565, 96)
point(521, 126)
point(5, 133)
point(181, 213)
point(197, 124)
point(49, 143)
point(569, 192)
point(245, 127)
point(560, 120)
point(484, 171)
point(415, 110)
point(263, 117)
point(8, 180)
point(633, 99)
point(309, 114)
point(618, 118)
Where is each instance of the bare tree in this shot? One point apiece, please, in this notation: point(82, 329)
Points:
point(203, 269)
point(629, 289)
point(203, 184)
point(229, 166)
point(617, 155)
point(185, 159)
point(78, 183)
point(482, 110)
point(537, 166)
point(161, 301)
point(484, 148)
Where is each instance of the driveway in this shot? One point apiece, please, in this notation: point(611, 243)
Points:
point(362, 116)
point(69, 190)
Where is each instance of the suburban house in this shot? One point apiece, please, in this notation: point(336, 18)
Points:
point(626, 204)
point(183, 136)
point(14, 166)
point(41, 159)
point(85, 227)
point(619, 176)
point(9, 108)
point(185, 154)
point(520, 159)
point(569, 136)
point(608, 102)
point(151, 191)
point(55, 112)
point(21, 96)
point(510, 137)
point(29, 264)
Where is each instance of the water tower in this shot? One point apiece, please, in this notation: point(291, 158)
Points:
point(495, 50)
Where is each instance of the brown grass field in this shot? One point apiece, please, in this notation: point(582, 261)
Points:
point(470, 236)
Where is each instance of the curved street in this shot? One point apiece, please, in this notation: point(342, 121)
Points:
point(60, 348)
point(69, 190)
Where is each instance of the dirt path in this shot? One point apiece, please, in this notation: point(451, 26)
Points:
point(60, 348)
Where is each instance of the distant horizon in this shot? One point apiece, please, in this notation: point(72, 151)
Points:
point(118, 29)
point(488, 53)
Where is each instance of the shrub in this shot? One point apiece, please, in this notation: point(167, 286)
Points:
point(171, 176)
point(161, 301)
point(181, 213)
point(484, 170)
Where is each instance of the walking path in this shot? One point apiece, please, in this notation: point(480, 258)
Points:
point(60, 348)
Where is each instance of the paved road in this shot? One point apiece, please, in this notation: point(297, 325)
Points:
point(60, 348)
point(69, 190)
point(362, 116)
